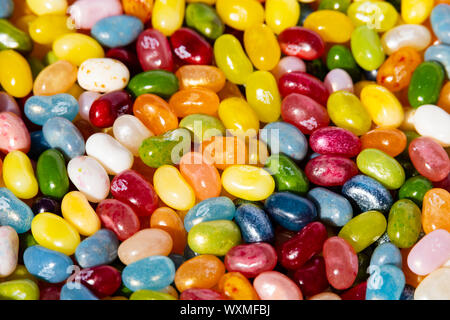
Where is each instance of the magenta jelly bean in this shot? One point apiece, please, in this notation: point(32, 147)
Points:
point(328, 171)
point(303, 83)
point(335, 141)
point(337, 80)
point(312, 277)
point(190, 47)
point(118, 217)
point(301, 42)
point(153, 50)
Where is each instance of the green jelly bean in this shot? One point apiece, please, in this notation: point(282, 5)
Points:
point(341, 57)
point(214, 237)
point(287, 175)
point(160, 82)
point(19, 290)
point(13, 38)
point(404, 223)
point(205, 20)
point(50, 58)
point(364, 229)
point(52, 174)
point(414, 189)
point(426, 84)
point(366, 48)
point(203, 126)
point(382, 167)
point(151, 295)
point(338, 5)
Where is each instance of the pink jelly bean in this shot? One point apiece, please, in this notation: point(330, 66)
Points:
point(312, 277)
point(431, 252)
point(429, 158)
point(273, 285)
point(118, 217)
point(201, 294)
point(14, 134)
point(85, 100)
point(301, 42)
point(341, 263)
point(85, 13)
point(335, 141)
point(288, 64)
point(153, 50)
point(303, 83)
point(9, 104)
point(330, 171)
point(251, 259)
point(338, 79)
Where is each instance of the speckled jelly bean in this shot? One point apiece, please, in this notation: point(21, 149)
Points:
point(335, 141)
point(251, 259)
point(333, 209)
point(404, 223)
point(326, 170)
point(98, 249)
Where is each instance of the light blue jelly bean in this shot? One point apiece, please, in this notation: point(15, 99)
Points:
point(254, 223)
point(48, 265)
point(62, 134)
point(386, 282)
point(386, 253)
point(14, 212)
point(6, 8)
point(117, 31)
point(100, 248)
point(38, 144)
point(333, 209)
point(76, 291)
point(219, 208)
point(439, 53)
point(440, 22)
point(282, 137)
point(39, 109)
point(408, 293)
point(151, 273)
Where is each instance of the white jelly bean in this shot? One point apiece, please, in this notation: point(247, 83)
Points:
point(436, 286)
point(406, 35)
point(338, 79)
point(434, 122)
point(103, 75)
point(130, 132)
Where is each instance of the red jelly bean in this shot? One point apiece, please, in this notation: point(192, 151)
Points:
point(303, 83)
point(130, 187)
point(201, 294)
point(312, 277)
point(358, 292)
point(119, 218)
point(335, 141)
point(106, 109)
point(190, 47)
point(330, 171)
point(49, 291)
point(301, 42)
point(103, 281)
point(127, 57)
point(304, 113)
point(429, 158)
point(341, 263)
point(153, 50)
point(251, 259)
point(308, 242)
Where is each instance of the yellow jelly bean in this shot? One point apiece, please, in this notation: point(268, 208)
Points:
point(262, 47)
point(41, 7)
point(282, 14)
point(238, 117)
point(383, 106)
point(263, 96)
point(18, 175)
point(55, 233)
point(379, 15)
point(248, 182)
point(416, 11)
point(78, 212)
point(167, 15)
point(172, 189)
point(332, 26)
point(357, 88)
point(240, 14)
point(15, 74)
point(76, 48)
point(210, 2)
point(46, 29)
point(231, 59)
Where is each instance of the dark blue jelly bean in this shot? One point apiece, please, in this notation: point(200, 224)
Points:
point(254, 224)
point(45, 204)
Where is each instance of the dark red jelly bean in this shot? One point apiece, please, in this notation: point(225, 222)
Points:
point(106, 109)
point(103, 281)
point(303, 83)
point(127, 57)
point(153, 50)
point(190, 47)
point(330, 171)
point(312, 277)
point(335, 141)
point(49, 291)
point(358, 292)
point(301, 42)
point(119, 218)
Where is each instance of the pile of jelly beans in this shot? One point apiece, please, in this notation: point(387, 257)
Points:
point(224, 149)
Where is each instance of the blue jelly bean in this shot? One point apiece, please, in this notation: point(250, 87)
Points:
point(332, 208)
point(219, 208)
point(282, 137)
point(151, 273)
point(439, 53)
point(48, 265)
point(290, 211)
point(367, 194)
point(440, 18)
point(6, 8)
point(39, 109)
point(408, 293)
point(254, 224)
point(386, 282)
point(62, 134)
point(177, 260)
point(117, 31)
point(38, 144)
point(100, 248)
point(76, 291)
point(14, 212)
point(386, 253)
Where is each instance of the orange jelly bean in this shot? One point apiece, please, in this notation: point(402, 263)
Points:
point(194, 100)
point(225, 151)
point(435, 210)
point(155, 113)
point(390, 141)
point(208, 77)
point(168, 220)
point(237, 287)
point(141, 9)
point(58, 77)
point(230, 90)
point(444, 97)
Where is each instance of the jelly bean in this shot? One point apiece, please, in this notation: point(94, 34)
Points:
point(57, 78)
point(416, 11)
point(118, 217)
point(283, 137)
point(154, 51)
point(220, 208)
point(89, 177)
point(194, 100)
point(338, 79)
point(434, 286)
point(14, 213)
point(335, 141)
point(208, 77)
point(102, 281)
point(202, 272)
point(107, 108)
point(273, 285)
point(254, 224)
point(386, 254)
point(45, 204)
point(103, 75)
point(429, 158)
point(168, 220)
point(311, 277)
point(56, 264)
point(13, 133)
point(288, 64)
point(404, 223)
point(333, 209)
point(143, 244)
point(9, 250)
point(381, 16)
point(51, 174)
point(7, 8)
point(138, 8)
point(151, 295)
point(130, 132)
point(13, 38)
point(439, 53)
point(364, 229)
point(444, 98)
point(304, 84)
point(18, 175)
point(224, 151)
point(390, 141)
point(214, 237)
point(332, 26)
point(167, 15)
point(117, 31)
point(439, 130)
point(290, 211)
point(39, 109)
point(159, 82)
point(287, 175)
point(366, 48)
point(262, 47)
point(340, 56)
point(251, 259)
point(328, 170)
point(391, 283)
point(16, 78)
point(426, 83)
point(62, 134)
point(76, 292)
point(78, 212)
point(301, 42)
point(155, 113)
point(325, 295)
point(47, 28)
point(86, 13)
point(19, 290)
point(98, 249)
point(415, 189)
point(341, 262)
point(240, 14)
point(430, 252)
point(127, 57)
point(85, 101)
point(204, 19)
point(439, 15)
point(357, 292)
point(235, 286)
point(435, 205)
point(77, 48)
point(282, 14)
point(190, 47)
point(238, 117)
point(55, 233)
point(9, 104)
point(231, 58)
point(41, 7)
point(415, 36)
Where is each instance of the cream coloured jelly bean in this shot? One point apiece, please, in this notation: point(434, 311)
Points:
point(436, 286)
point(273, 285)
point(78, 212)
point(18, 175)
point(103, 75)
point(431, 121)
point(130, 132)
point(89, 177)
point(85, 13)
point(77, 48)
point(406, 35)
point(9, 250)
point(14, 134)
point(114, 157)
